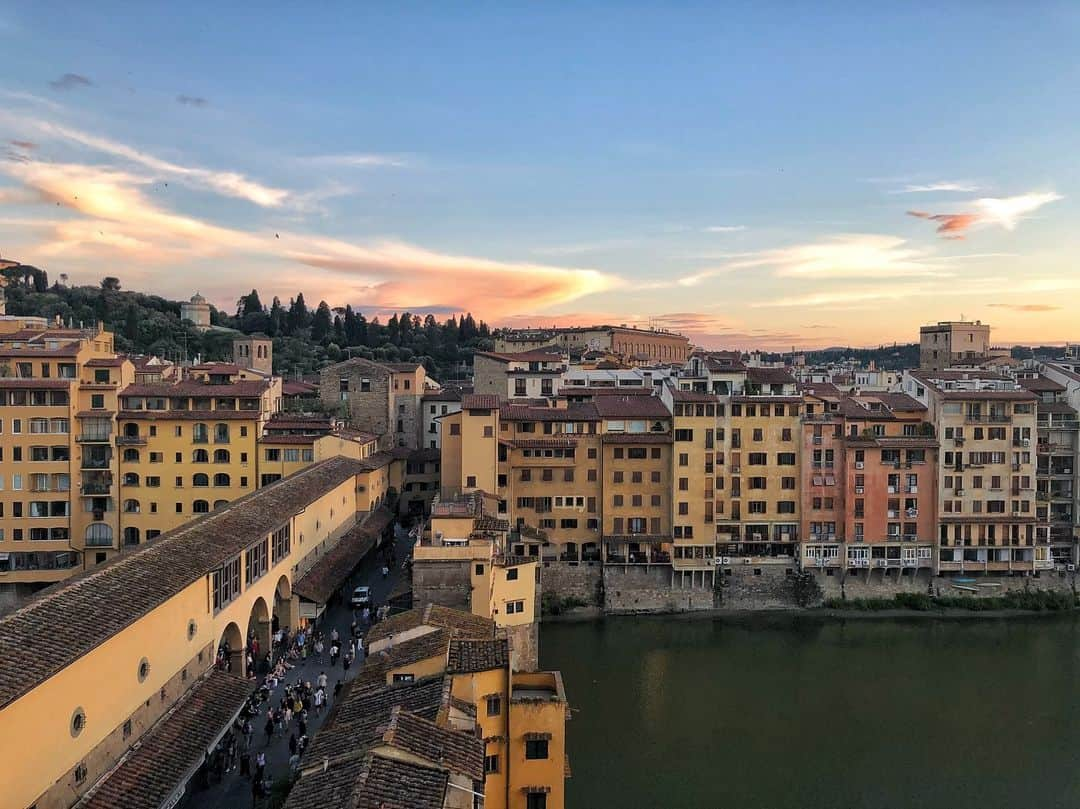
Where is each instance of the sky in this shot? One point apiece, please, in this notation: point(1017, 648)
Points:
point(755, 175)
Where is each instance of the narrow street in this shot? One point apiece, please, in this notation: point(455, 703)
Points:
point(234, 791)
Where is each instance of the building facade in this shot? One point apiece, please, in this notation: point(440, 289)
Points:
point(379, 398)
point(955, 342)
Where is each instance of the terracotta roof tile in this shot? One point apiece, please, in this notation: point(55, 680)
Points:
point(455, 750)
point(169, 753)
point(193, 387)
point(480, 401)
point(631, 407)
point(468, 655)
point(334, 567)
point(458, 622)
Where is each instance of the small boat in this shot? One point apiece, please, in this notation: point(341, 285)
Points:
point(963, 580)
point(965, 588)
point(988, 584)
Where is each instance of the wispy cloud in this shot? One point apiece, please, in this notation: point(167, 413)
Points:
point(356, 161)
point(192, 101)
point(1026, 307)
point(945, 186)
point(228, 183)
point(585, 247)
point(26, 145)
point(725, 229)
point(70, 81)
point(1006, 212)
point(115, 217)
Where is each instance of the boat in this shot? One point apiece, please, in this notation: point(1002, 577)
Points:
point(965, 588)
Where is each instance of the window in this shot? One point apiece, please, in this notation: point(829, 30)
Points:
point(273, 454)
point(494, 705)
point(515, 607)
point(200, 480)
point(225, 583)
point(491, 764)
point(221, 479)
point(200, 507)
point(536, 749)
point(280, 544)
point(512, 574)
point(536, 800)
point(455, 428)
point(404, 678)
point(255, 565)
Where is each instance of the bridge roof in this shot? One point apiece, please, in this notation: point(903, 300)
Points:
point(71, 619)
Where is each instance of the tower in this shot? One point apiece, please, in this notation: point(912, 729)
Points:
point(254, 351)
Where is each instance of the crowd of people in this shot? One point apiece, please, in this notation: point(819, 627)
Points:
point(283, 704)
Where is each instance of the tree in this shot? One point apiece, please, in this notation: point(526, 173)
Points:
point(249, 304)
point(110, 283)
point(297, 317)
point(321, 323)
point(276, 321)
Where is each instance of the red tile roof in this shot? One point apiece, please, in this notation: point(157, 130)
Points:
point(523, 356)
point(770, 376)
point(193, 387)
point(480, 401)
point(168, 754)
point(333, 568)
point(572, 412)
point(631, 407)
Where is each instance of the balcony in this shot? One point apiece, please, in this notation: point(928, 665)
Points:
point(95, 489)
point(130, 441)
point(96, 463)
point(94, 438)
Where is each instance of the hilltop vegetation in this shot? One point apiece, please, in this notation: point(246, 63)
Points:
point(304, 339)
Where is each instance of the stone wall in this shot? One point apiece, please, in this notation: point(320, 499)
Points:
point(444, 583)
point(764, 587)
point(524, 645)
point(582, 582)
point(886, 584)
point(489, 376)
point(636, 588)
point(367, 410)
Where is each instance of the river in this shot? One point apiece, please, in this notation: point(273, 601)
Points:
point(794, 711)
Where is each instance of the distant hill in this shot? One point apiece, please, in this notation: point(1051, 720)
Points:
point(304, 339)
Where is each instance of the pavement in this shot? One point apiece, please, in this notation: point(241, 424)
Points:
point(234, 791)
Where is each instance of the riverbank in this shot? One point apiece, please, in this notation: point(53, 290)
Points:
point(861, 609)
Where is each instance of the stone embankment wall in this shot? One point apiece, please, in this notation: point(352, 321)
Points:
point(768, 587)
point(879, 584)
point(634, 588)
point(581, 582)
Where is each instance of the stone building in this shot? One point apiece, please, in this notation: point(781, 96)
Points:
point(377, 397)
point(254, 352)
point(196, 311)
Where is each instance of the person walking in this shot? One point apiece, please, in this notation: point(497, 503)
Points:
point(337, 688)
point(334, 636)
point(385, 571)
point(292, 743)
point(260, 766)
point(322, 680)
point(319, 650)
point(269, 731)
point(319, 696)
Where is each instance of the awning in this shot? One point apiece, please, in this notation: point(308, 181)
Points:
point(170, 753)
point(323, 579)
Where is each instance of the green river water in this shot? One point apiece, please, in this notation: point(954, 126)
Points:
point(784, 711)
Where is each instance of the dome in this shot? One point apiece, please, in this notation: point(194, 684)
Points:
point(197, 298)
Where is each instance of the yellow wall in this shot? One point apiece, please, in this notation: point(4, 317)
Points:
point(34, 730)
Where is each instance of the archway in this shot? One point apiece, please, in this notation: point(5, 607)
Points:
point(283, 617)
point(230, 650)
point(257, 639)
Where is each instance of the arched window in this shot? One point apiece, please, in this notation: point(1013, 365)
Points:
point(131, 536)
point(131, 507)
point(221, 479)
point(200, 507)
point(219, 503)
point(199, 433)
point(200, 480)
point(200, 456)
point(99, 534)
point(131, 455)
point(221, 456)
point(131, 479)
point(221, 433)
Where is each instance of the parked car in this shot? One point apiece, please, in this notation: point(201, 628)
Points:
point(361, 597)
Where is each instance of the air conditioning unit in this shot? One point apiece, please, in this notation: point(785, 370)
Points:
point(892, 490)
point(785, 537)
point(879, 562)
point(1026, 442)
point(858, 490)
point(746, 560)
point(859, 465)
point(1071, 568)
point(959, 492)
point(757, 537)
point(727, 560)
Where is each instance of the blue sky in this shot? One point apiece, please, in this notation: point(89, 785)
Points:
point(745, 173)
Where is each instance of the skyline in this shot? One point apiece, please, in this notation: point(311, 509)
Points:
point(750, 177)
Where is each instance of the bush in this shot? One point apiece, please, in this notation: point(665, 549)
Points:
point(1028, 600)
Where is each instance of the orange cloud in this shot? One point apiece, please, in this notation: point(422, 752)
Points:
point(1026, 307)
point(951, 225)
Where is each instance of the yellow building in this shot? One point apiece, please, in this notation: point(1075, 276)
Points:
point(134, 640)
point(58, 493)
point(519, 716)
point(187, 448)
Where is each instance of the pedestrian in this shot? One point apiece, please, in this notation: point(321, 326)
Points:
point(334, 636)
point(292, 743)
point(366, 615)
point(318, 702)
point(385, 571)
point(319, 650)
point(302, 726)
point(269, 731)
point(322, 679)
point(337, 688)
point(245, 764)
point(346, 661)
point(360, 648)
point(256, 791)
point(288, 715)
point(353, 628)
point(249, 731)
point(294, 763)
point(260, 766)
